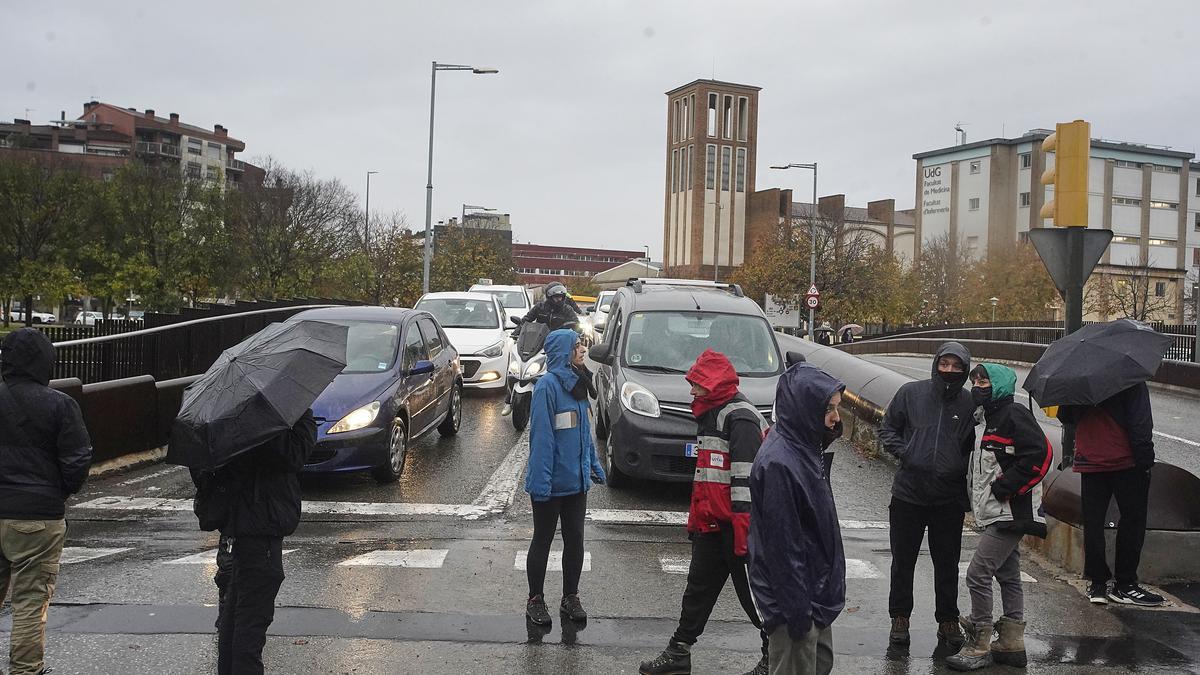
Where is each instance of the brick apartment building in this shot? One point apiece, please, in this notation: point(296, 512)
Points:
point(537, 264)
point(106, 137)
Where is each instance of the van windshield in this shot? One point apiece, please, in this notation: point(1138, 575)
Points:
point(462, 312)
point(510, 299)
point(672, 341)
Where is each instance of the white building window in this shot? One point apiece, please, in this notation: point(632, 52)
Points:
point(195, 146)
point(1026, 159)
point(1119, 239)
point(687, 171)
point(1160, 242)
point(676, 118)
point(1164, 205)
point(214, 150)
point(674, 171)
point(973, 243)
point(1126, 201)
point(1160, 289)
point(1197, 225)
point(726, 160)
point(712, 115)
point(685, 131)
point(193, 169)
point(975, 165)
point(1126, 164)
point(740, 177)
point(1166, 169)
point(710, 167)
point(727, 117)
point(973, 204)
point(1024, 199)
point(743, 118)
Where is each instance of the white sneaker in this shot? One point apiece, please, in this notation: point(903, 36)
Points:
point(506, 410)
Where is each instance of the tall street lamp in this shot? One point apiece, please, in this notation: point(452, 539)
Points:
point(812, 241)
point(995, 301)
point(367, 215)
point(429, 181)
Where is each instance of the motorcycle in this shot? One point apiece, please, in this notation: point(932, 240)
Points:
point(526, 368)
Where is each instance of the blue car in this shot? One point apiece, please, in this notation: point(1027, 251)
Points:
point(402, 380)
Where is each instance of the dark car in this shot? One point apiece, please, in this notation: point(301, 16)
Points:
point(656, 329)
point(402, 380)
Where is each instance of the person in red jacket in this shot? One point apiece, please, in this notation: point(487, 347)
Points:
point(730, 431)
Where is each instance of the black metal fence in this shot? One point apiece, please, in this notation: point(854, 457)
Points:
point(164, 346)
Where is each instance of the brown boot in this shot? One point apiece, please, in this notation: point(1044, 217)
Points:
point(1009, 648)
point(952, 633)
point(976, 653)
point(899, 634)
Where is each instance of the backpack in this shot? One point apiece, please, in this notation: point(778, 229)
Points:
point(216, 491)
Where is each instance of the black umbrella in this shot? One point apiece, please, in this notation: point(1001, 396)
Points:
point(254, 390)
point(1095, 362)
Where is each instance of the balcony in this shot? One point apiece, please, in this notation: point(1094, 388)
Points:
point(235, 165)
point(163, 149)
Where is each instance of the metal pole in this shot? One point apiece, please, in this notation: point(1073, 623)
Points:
point(367, 217)
point(812, 254)
point(1075, 279)
point(717, 241)
point(1196, 339)
point(429, 185)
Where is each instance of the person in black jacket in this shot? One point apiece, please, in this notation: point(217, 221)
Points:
point(45, 453)
point(556, 310)
point(264, 507)
point(930, 428)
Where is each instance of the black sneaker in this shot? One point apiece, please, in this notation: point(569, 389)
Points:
point(536, 610)
point(571, 608)
point(1098, 592)
point(676, 659)
point(1132, 594)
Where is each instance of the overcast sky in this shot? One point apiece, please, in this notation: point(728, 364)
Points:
point(569, 137)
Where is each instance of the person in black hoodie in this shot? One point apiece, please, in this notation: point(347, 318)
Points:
point(45, 453)
point(264, 507)
point(930, 428)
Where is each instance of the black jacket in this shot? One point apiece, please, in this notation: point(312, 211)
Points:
point(1013, 436)
point(45, 450)
point(930, 428)
point(553, 315)
point(266, 499)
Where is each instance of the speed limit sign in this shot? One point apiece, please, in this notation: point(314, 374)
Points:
point(812, 301)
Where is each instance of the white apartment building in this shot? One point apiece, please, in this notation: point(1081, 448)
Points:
point(987, 195)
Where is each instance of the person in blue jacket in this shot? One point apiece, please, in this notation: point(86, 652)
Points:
point(797, 564)
point(562, 466)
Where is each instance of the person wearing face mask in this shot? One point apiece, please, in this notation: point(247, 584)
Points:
point(1006, 498)
point(730, 431)
point(797, 563)
point(930, 428)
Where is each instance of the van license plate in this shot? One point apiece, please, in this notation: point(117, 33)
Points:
point(689, 450)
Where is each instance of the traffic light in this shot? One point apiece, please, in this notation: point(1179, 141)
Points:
point(1071, 144)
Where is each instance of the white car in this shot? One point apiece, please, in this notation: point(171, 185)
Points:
point(89, 318)
point(515, 300)
point(18, 316)
point(603, 305)
point(474, 322)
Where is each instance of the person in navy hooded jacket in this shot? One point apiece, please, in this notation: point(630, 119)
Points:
point(797, 565)
point(562, 467)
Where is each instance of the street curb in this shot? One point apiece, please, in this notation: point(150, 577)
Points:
point(128, 462)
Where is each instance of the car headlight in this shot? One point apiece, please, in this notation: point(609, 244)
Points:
point(638, 399)
point(493, 350)
point(533, 368)
point(357, 419)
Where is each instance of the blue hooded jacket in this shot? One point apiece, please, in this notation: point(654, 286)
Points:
point(562, 455)
point(797, 565)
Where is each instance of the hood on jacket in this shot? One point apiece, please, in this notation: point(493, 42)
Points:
point(800, 400)
point(714, 372)
point(1003, 378)
point(951, 349)
point(27, 354)
point(559, 345)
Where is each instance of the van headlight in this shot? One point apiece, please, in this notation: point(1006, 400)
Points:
point(638, 399)
point(534, 368)
point(357, 419)
point(493, 350)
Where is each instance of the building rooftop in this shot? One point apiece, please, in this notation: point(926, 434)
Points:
point(1036, 135)
point(149, 119)
point(715, 83)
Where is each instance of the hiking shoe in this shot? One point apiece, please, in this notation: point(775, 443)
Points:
point(571, 608)
point(676, 659)
point(506, 410)
point(899, 634)
point(1132, 594)
point(1098, 592)
point(761, 669)
point(952, 633)
point(536, 611)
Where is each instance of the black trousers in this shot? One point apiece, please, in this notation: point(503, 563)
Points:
point(713, 562)
point(1132, 490)
point(908, 523)
point(570, 511)
point(249, 573)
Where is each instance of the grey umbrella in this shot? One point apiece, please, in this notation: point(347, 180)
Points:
point(254, 390)
point(1096, 362)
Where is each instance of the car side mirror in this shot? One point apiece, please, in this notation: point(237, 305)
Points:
point(792, 358)
point(601, 353)
point(423, 367)
point(514, 320)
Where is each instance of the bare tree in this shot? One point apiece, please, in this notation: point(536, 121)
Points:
point(944, 277)
point(1134, 293)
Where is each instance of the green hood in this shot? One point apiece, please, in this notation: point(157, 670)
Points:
point(1004, 380)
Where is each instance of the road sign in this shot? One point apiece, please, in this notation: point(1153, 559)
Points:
point(778, 315)
point(812, 290)
point(812, 301)
point(1051, 245)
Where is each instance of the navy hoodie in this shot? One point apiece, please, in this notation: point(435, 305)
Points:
point(797, 565)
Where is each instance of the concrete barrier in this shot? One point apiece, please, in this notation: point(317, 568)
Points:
point(1172, 548)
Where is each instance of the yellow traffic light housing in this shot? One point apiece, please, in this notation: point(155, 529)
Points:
point(1071, 144)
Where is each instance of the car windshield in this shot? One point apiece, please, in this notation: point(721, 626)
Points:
point(462, 313)
point(510, 299)
point(671, 341)
point(370, 346)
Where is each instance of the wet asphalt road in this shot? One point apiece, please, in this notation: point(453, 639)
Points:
point(145, 602)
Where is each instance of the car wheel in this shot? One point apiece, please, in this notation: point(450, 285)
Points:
point(453, 421)
point(397, 454)
point(614, 477)
point(520, 411)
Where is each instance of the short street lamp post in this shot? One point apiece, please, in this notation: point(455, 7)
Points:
point(812, 241)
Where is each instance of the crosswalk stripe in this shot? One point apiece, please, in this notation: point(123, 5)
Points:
point(208, 557)
point(861, 569)
point(78, 554)
point(962, 572)
point(422, 558)
point(554, 564)
point(674, 564)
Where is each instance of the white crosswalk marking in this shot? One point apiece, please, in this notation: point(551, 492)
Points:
point(861, 569)
point(962, 572)
point(418, 558)
point(78, 554)
point(208, 557)
point(554, 564)
point(675, 564)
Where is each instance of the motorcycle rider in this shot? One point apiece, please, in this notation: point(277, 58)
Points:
point(555, 311)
